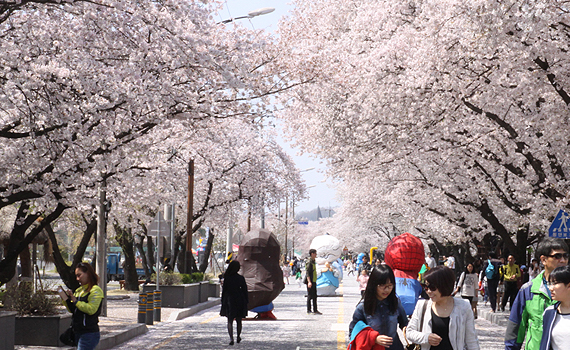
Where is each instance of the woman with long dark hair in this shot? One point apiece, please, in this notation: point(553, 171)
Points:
point(234, 299)
point(382, 310)
point(85, 304)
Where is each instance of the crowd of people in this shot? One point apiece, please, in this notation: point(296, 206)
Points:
point(443, 319)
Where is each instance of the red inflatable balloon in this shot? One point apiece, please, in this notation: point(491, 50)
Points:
point(405, 252)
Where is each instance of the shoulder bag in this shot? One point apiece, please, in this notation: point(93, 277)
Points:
point(417, 346)
point(68, 337)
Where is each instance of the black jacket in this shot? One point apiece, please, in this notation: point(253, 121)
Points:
point(81, 321)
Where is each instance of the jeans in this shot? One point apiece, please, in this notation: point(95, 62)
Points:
point(88, 341)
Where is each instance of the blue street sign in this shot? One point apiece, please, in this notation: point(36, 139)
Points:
point(303, 222)
point(559, 227)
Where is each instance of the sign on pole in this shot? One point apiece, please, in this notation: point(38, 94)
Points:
point(159, 224)
point(559, 227)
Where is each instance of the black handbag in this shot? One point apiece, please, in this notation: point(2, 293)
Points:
point(68, 337)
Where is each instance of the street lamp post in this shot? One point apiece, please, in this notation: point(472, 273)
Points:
point(189, 258)
point(251, 14)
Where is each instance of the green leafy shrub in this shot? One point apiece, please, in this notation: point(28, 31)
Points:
point(168, 278)
point(25, 301)
point(192, 278)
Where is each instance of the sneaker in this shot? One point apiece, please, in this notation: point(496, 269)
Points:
point(309, 312)
point(318, 313)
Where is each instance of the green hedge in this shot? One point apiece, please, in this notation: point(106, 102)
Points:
point(192, 278)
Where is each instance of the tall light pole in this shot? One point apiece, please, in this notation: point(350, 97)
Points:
point(251, 14)
point(101, 244)
point(189, 258)
point(287, 213)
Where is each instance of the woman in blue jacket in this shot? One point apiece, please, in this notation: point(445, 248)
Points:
point(381, 309)
point(556, 318)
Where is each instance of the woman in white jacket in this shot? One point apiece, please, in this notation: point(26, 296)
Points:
point(448, 323)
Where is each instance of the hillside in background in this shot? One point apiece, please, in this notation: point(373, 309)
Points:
point(315, 214)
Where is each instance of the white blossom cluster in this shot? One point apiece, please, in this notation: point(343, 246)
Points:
point(451, 114)
point(129, 91)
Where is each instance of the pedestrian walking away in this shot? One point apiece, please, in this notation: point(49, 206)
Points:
point(491, 271)
point(525, 319)
point(234, 299)
point(85, 305)
point(311, 280)
point(381, 312)
point(443, 322)
point(556, 318)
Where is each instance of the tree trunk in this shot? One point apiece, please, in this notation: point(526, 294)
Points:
point(204, 264)
point(26, 263)
point(66, 272)
point(150, 254)
point(126, 240)
point(20, 241)
point(175, 253)
point(139, 245)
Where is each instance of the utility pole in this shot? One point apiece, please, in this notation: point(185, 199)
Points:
point(263, 213)
point(101, 245)
point(229, 245)
point(172, 227)
point(189, 258)
point(294, 224)
point(249, 215)
point(286, 222)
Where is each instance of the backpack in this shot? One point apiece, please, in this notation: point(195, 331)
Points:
point(490, 270)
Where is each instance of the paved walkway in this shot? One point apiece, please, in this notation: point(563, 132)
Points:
point(293, 330)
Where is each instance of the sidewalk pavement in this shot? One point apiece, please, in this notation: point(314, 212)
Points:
point(499, 318)
point(121, 325)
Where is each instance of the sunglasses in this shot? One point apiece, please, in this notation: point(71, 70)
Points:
point(430, 287)
point(559, 256)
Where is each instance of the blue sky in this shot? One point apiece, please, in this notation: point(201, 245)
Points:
point(321, 194)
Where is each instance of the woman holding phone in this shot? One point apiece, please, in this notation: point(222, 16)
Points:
point(85, 304)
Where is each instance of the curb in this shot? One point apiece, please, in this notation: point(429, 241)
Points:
point(498, 318)
point(130, 331)
point(183, 313)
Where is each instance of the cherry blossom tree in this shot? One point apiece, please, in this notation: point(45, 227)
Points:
point(455, 112)
point(88, 88)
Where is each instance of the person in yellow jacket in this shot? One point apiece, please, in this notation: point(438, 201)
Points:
point(510, 273)
point(85, 304)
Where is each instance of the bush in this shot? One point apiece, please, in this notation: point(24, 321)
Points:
point(25, 301)
point(168, 278)
point(192, 278)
